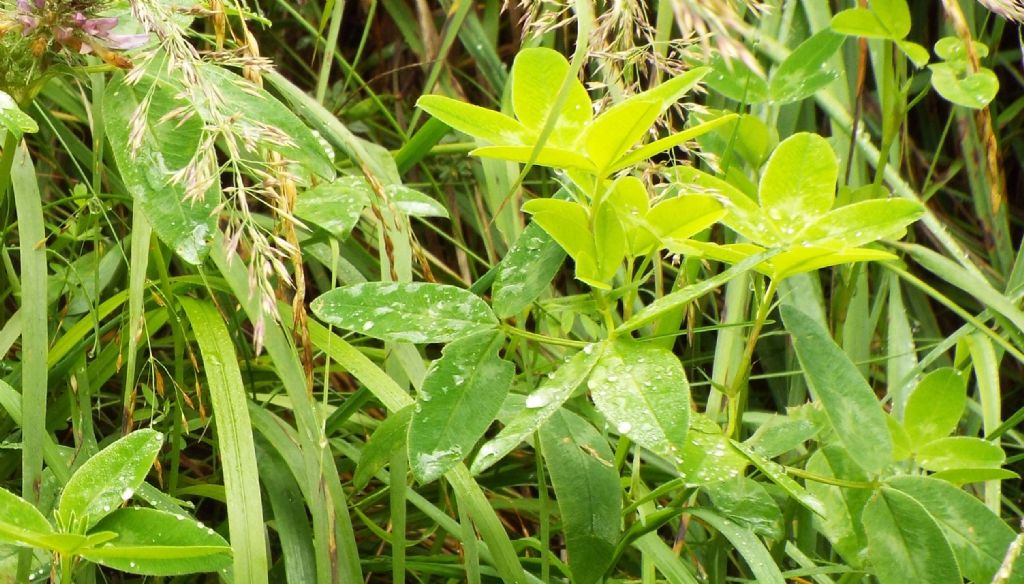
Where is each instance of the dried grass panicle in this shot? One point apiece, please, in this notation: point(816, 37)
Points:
point(254, 178)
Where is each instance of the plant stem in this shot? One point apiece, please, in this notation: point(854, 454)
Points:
point(511, 330)
point(739, 389)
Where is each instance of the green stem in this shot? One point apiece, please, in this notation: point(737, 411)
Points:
point(513, 331)
point(739, 389)
point(830, 480)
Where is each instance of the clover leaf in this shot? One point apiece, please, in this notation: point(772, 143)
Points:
point(794, 211)
point(597, 146)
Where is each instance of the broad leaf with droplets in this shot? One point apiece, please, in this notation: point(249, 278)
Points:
point(147, 165)
point(709, 456)
point(460, 397)
point(158, 543)
point(643, 392)
point(540, 405)
point(417, 312)
point(13, 119)
point(108, 479)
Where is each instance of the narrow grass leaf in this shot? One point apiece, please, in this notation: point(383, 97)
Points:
point(35, 334)
point(747, 545)
point(234, 440)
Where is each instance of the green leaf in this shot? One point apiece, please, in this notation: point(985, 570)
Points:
point(582, 471)
point(617, 130)
point(841, 521)
point(526, 271)
point(389, 437)
point(709, 456)
point(747, 503)
point(414, 203)
point(540, 405)
point(736, 80)
point(415, 312)
point(952, 48)
point(682, 217)
point(252, 107)
point(744, 216)
point(109, 478)
point(610, 246)
point(904, 542)
point(478, 122)
point(861, 22)
point(15, 120)
point(334, 207)
point(569, 224)
point(837, 384)
point(973, 90)
point(780, 434)
point(648, 150)
point(958, 452)
point(672, 90)
point(21, 523)
point(864, 222)
point(917, 54)
point(147, 167)
point(894, 15)
point(963, 476)
point(799, 182)
point(978, 536)
point(460, 397)
point(234, 439)
point(806, 70)
point(777, 473)
point(17, 511)
point(537, 77)
point(760, 562)
point(935, 406)
point(643, 392)
point(157, 543)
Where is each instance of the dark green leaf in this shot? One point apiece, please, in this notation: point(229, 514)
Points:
point(904, 542)
point(837, 384)
point(526, 271)
point(586, 484)
point(643, 392)
point(460, 397)
point(411, 312)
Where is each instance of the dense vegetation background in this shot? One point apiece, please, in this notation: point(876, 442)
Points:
point(210, 214)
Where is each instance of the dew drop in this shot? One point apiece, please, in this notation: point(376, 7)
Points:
point(536, 400)
point(624, 427)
